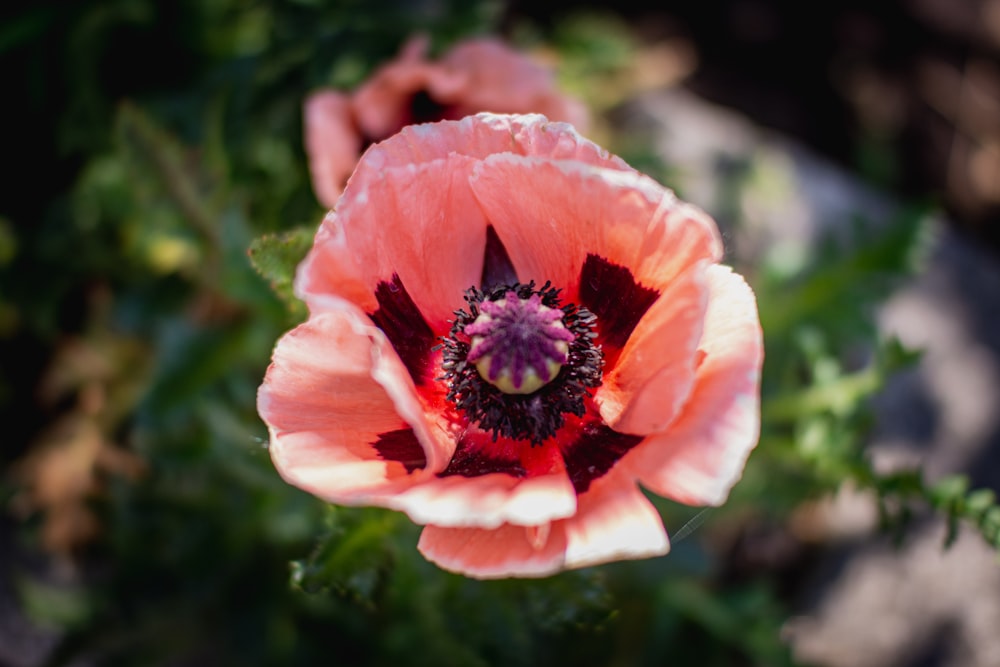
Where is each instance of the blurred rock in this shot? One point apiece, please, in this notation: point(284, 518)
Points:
point(919, 605)
point(869, 603)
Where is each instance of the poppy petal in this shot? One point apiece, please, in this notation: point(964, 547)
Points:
point(507, 551)
point(484, 134)
point(332, 143)
point(701, 455)
point(487, 501)
point(610, 292)
point(334, 384)
point(426, 217)
point(614, 521)
point(655, 373)
point(552, 214)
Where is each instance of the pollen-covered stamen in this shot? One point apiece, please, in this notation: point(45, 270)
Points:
point(518, 345)
point(573, 362)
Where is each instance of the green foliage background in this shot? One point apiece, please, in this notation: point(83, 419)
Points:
point(157, 149)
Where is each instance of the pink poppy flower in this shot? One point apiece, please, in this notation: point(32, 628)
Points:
point(509, 331)
point(475, 75)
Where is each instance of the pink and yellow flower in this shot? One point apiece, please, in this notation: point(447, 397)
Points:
point(509, 331)
point(475, 75)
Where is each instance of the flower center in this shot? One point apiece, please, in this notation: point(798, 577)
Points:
point(517, 361)
point(518, 345)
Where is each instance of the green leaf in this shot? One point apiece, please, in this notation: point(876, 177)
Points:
point(354, 558)
point(949, 490)
point(275, 257)
point(980, 501)
point(53, 605)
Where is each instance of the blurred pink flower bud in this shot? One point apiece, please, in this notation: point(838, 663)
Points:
point(475, 75)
